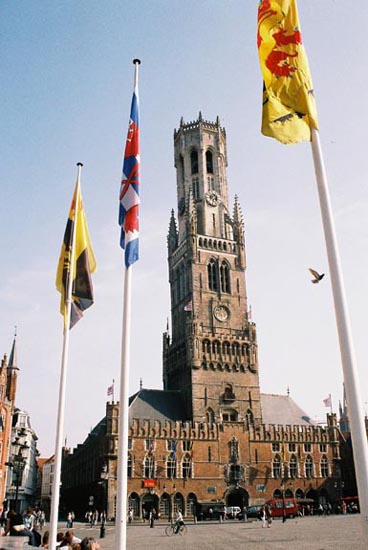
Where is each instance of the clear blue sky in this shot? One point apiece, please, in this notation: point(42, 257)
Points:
point(67, 75)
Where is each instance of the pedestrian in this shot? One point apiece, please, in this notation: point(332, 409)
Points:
point(16, 528)
point(179, 521)
point(69, 521)
point(89, 543)
point(130, 515)
point(268, 513)
point(45, 540)
point(210, 513)
point(152, 517)
point(262, 516)
point(3, 518)
point(245, 517)
point(69, 539)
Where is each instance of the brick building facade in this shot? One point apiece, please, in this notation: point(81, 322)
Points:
point(8, 387)
point(210, 435)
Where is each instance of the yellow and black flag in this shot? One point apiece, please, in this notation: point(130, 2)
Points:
point(289, 108)
point(83, 265)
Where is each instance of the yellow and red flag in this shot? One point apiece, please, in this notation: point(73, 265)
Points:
point(289, 108)
point(84, 263)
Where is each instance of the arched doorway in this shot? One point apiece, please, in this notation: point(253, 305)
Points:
point(165, 505)
point(237, 496)
point(312, 494)
point(179, 503)
point(191, 505)
point(134, 504)
point(149, 502)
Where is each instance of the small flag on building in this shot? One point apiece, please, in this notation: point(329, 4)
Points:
point(84, 262)
point(188, 306)
point(328, 401)
point(129, 189)
point(174, 447)
point(110, 390)
point(289, 108)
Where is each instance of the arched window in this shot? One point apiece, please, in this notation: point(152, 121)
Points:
point(233, 450)
point(149, 467)
point(225, 277)
point(165, 504)
point(309, 467)
point(171, 467)
point(228, 393)
point(209, 162)
point(276, 467)
point(134, 504)
point(226, 348)
point(194, 161)
point(212, 276)
point(324, 466)
point(216, 347)
point(191, 504)
point(250, 416)
point(293, 467)
point(186, 466)
point(210, 416)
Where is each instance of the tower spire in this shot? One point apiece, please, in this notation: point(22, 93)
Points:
point(172, 237)
point(13, 358)
point(12, 370)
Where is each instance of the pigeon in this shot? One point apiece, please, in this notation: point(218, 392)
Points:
point(316, 275)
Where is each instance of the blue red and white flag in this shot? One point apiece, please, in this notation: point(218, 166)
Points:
point(129, 190)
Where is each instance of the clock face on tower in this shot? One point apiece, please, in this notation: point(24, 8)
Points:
point(221, 313)
point(212, 198)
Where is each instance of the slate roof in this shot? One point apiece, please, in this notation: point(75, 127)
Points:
point(281, 409)
point(156, 405)
point(164, 405)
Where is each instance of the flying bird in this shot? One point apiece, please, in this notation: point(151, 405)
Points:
point(317, 277)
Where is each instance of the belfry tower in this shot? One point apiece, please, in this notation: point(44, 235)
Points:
point(211, 355)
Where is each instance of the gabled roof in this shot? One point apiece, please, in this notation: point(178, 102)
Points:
point(281, 409)
point(156, 405)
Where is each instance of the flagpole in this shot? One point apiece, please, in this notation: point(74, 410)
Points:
point(55, 495)
point(123, 416)
point(351, 377)
point(122, 469)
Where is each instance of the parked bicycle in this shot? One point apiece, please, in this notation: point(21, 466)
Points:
point(172, 529)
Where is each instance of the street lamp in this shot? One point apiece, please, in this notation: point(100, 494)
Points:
point(104, 475)
point(17, 463)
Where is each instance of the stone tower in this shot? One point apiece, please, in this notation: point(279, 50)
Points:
point(211, 354)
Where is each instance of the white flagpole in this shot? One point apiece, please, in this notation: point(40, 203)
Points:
point(351, 378)
point(122, 470)
point(62, 385)
point(123, 417)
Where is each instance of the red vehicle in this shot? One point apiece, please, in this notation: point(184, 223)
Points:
point(281, 507)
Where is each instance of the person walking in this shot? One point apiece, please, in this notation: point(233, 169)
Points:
point(152, 517)
point(262, 516)
point(268, 513)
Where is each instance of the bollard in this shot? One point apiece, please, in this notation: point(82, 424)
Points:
point(102, 530)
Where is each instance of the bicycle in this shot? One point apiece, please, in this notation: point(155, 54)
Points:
point(171, 530)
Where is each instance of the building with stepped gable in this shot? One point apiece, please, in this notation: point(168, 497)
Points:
point(210, 437)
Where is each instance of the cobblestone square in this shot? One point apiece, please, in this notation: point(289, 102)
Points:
point(312, 533)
